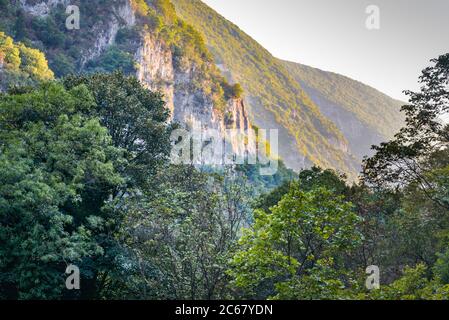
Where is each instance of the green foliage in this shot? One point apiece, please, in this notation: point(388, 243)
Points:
point(111, 60)
point(413, 285)
point(20, 27)
point(414, 166)
point(182, 234)
point(136, 119)
point(51, 155)
point(317, 177)
point(308, 180)
point(62, 65)
point(127, 36)
point(441, 268)
point(237, 91)
point(404, 158)
point(48, 32)
point(68, 157)
point(302, 240)
point(233, 91)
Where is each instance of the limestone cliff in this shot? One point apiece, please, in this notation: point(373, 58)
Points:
point(183, 79)
point(189, 105)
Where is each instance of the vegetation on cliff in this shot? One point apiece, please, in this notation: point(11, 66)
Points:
point(20, 65)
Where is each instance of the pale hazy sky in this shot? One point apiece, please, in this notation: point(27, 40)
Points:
point(331, 35)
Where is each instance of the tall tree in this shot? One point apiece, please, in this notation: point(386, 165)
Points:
point(297, 250)
point(136, 119)
point(406, 158)
point(51, 155)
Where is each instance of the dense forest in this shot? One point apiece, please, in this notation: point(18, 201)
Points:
point(86, 180)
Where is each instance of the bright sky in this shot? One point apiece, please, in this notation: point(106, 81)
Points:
point(332, 35)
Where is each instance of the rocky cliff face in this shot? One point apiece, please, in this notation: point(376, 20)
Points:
point(157, 69)
point(123, 16)
point(189, 105)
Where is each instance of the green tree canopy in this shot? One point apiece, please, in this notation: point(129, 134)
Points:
point(51, 155)
point(296, 250)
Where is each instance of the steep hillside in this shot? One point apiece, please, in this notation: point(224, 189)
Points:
point(365, 115)
point(274, 97)
point(280, 91)
point(196, 58)
point(145, 38)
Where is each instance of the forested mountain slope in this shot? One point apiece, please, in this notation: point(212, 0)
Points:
point(194, 56)
point(142, 38)
point(329, 119)
point(364, 115)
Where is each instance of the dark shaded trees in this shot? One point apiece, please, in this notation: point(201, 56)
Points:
point(69, 156)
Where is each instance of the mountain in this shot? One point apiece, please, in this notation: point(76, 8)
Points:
point(142, 38)
point(196, 58)
point(328, 118)
point(364, 115)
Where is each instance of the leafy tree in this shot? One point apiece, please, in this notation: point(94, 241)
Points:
point(237, 91)
point(51, 156)
point(21, 65)
point(413, 169)
point(70, 157)
point(317, 177)
point(48, 32)
point(20, 26)
point(404, 159)
point(270, 199)
point(182, 235)
point(62, 65)
point(379, 211)
point(136, 119)
point(441, 268)
point(233, 91)
point(308, 180)
point(34, 63)
point(300, 244)
point(9, 52)
point(413, 285)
